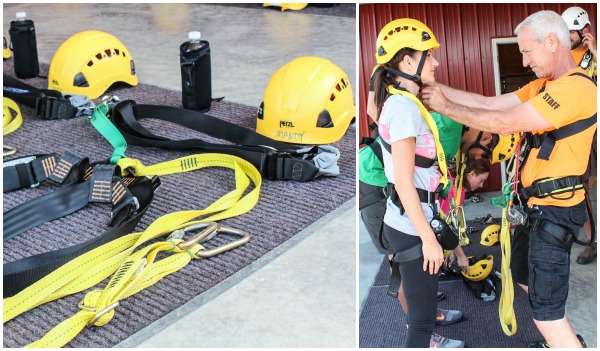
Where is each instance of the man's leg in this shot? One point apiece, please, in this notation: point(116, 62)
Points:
point(558, 333)
point(549, 266)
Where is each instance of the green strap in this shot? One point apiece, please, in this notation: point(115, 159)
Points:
point(108, 130)
point(444, 181)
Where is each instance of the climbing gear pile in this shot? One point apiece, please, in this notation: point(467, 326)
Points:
point(274, 160)
point(481, 278)
point(137, 270)
point(81, 184)
point(89, 62)
point(307, 101)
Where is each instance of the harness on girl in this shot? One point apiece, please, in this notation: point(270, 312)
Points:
point(444, 234)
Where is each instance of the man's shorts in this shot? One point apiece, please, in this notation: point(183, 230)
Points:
point(549, 262)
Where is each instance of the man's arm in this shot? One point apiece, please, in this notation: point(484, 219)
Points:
point(474, 100)
point(521, 117)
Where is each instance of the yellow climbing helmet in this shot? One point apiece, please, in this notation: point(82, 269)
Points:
point(288, 6)
point(490, 235)
point(6, 50)
point(506, 147)
point(307, 101)
point(479, 267)
point(89, 62)
point(403, 33)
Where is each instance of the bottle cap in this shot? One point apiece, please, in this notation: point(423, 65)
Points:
point(21, 15)
point(195, 35)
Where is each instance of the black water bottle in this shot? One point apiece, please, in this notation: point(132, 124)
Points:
point(196, 85)
point(22, 37)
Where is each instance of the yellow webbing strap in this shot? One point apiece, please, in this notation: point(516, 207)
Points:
point(506, 311)
point(505, 308)
point(94, 266)
point(434, 130)
point(10, 124)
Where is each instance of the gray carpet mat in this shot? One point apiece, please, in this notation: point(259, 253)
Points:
point(383, 323)
point(284, 209)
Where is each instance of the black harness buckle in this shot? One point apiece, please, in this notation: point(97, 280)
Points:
point(50, 107)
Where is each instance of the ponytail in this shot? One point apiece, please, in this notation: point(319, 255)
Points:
point(385, 78)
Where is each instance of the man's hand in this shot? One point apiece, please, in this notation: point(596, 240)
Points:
point(433, 97)
point(590, 42)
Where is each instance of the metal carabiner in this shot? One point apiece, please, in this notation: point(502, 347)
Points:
point(209, 230)
point(244, 238)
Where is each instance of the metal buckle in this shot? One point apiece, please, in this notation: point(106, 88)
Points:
point(98, 314)
point(207, 229)
point(244, 238)
point(41, 106)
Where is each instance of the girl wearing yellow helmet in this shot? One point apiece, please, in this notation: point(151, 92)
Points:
point(404, 49)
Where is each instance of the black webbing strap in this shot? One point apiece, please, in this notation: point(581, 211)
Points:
point(29, 171)
point(558, 234)
point(424, 196)
point(407, 255)
point(102, 187)
point(420, 161)
point(550, 187)
point(275, 160)
point(20, 274)
point(546, 141)
point(48, 104)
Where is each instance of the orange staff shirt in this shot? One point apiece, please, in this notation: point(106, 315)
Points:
point(564, 101)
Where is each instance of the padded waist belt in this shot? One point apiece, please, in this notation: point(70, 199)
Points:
point(424, 196)
point(551, 186)
point(407, 255)
point(273, 159)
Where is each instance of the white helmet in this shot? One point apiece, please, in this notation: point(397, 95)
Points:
point(576, 18)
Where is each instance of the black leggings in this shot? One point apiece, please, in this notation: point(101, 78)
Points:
point(420, 289)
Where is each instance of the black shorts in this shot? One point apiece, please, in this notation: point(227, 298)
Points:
point(549, 262)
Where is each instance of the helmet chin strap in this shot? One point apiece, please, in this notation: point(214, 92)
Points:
point(477, 145)
point(417, 76)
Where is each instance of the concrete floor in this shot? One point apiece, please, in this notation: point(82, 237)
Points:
point(582, 305)
point(247, 47)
